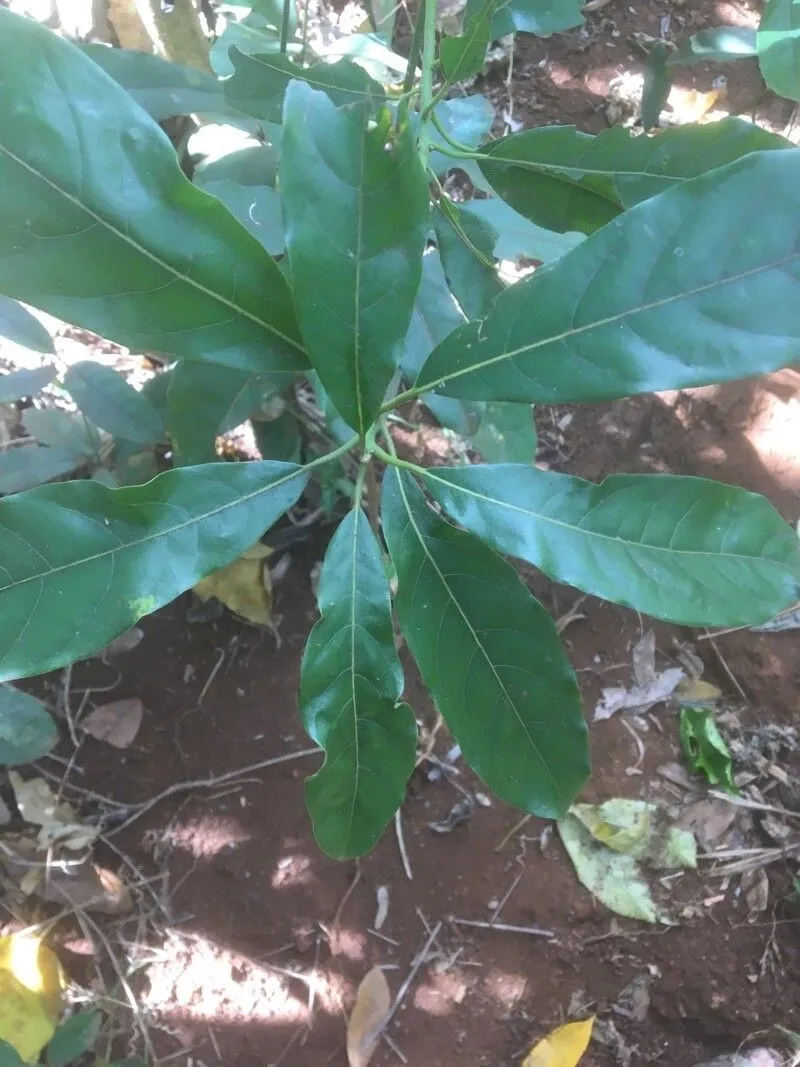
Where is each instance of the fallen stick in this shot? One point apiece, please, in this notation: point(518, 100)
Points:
point(533, 931)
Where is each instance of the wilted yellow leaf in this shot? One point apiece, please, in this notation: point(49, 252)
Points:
point(370, 1012)
point(31, 985)
point(564, 1047)
point(243, 586)
point(696, 691)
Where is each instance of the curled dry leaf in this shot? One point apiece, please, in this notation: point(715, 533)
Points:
point(243, 586)
point(80, 884)
point(382, 895)
point(59, 824)
point(755, 886)
point(116, 723)
point(371, 1010)
point(708, 820)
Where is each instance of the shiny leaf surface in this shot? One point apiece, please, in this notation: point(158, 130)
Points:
point(122, 553)
point(18, 325)
point(472, 627)
point(356, 215)
point(111, 403)
point(667, 297)
point(350, 687)
point(779, 47)
point(687, 550)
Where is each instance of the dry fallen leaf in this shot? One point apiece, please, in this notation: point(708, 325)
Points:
point(243, 586)
point(77, 884)
point(708, 820)
point(696, 691)
point(755, 886)
point(371, 1009)
point(59, 824)
point(126, 642)
point(116, 723)
point(31, 985)
point(563, 1047)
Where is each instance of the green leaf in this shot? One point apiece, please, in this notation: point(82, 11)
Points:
point(26, 730)
point(467, 120)
point(720, 44)
point(466, 248)
point(434, 316)
point(20, 383)
point(258, 209)
point(350, 687)
point(705, 748)
point(541, 17)
point(516, 235)
point(111, 403)
point(254, 165)
point(129, 248)
point(356, 216)
point(461, 57)
point(29, 465)
point(259, 83)
point(20, 327)
point(66, 430)
point(74, 1037)
point(278, 438)
point(371, 52)
point(507, 434)
point(204, 400)
point(664, 298)
point(9, 1057)
point(122, 553)
point(251, 40)
point(688, 550)
point(489, 654)
point(563, 179)
point(163, 89)
point(779, 47)
point(657, 84)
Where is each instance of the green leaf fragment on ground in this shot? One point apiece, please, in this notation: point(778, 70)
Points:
point(705, 747)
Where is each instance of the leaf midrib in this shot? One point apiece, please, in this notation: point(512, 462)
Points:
point(610, 320)
point(478, 642)
point(148, 538)
point(588, 533)
point(101, 221)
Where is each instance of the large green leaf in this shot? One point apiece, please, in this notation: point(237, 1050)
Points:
point(251, 40)
point(26, 730)
point(19, 326)
point(111, 403)
point(29, 465)
point(687, 550)
point(516, 235)
point(259, 83)
point(462, 56)
point(122, 553)
point(21, 383)
point(350, 687)
point(489, 654)
point(507, 434)
point(356, 216)
point(204, 400)
point(563, 179)
point(541, 17)
point(161, 88)
point(434, 316)
point(254, 165)
point(720, 44)
point(99, 226)
point(779, 47)
point(466, 247)
point(667, 297)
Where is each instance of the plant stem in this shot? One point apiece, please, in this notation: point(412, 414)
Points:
point(287, 10)
point(413, 56)
point(391, 459)
point(454, 148)
point(426, 81)
point(342, 450)
point(373, 498)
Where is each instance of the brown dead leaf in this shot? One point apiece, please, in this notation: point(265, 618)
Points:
point(696, 691)
point(243, 586)
point(126, 642)
point(371, 1009)
point(709, 820)
point(116, 723)
point(755, 886)
point(79, 885)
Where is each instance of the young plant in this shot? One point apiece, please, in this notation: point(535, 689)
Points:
point(688, 276)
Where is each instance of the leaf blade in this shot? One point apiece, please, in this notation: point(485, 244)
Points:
point(660, 299)
point(125, 552)
point(19, 326)
point(778, 43)
point(27, 731)
point(356, 270)
point(350, 687)
point(163, 265)
point(688, 550)
point(111, 403)
point(470, 624)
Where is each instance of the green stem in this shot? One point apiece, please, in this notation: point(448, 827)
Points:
point(446, 208)
point(391, 459)
point(456, 149)
point(402, 398)
point(411, 69)
point(287, 10)
point(342, 450)
point(426, 81)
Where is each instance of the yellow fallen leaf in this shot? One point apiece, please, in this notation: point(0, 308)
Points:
point(696, 691)
point(370, 1012)
point(243, 586)
point(563, 1047)
point(31, 986)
